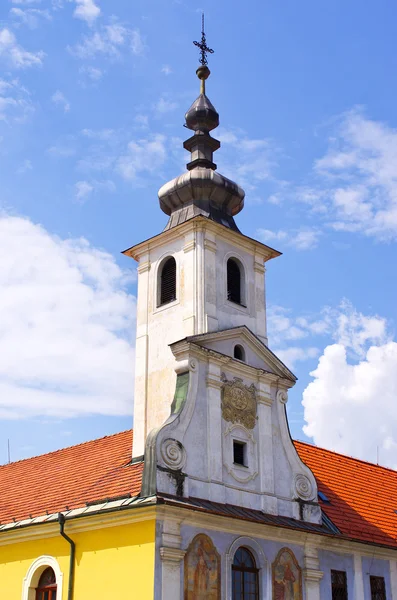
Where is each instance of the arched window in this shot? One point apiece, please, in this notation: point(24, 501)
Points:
point(167, 281)
point(234, 281)
point(239, 352)
point(245, 584)
point(47, 588)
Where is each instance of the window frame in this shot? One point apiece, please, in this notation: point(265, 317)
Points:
point(346, 587)
point(254, 570)
point(241, 349)
point(35, 571)
point(377, 577)
point(156, 283)
point(242, 271)
point(261, 561)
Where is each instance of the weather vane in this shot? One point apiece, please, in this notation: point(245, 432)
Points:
point(203, 45)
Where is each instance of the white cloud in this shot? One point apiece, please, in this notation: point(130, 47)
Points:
point(359, 167)
point(83, 189)
point(304, 239)
point(59, 99)
point(142, 155)
point(65, 325)
point(25, 167)
point(248, 161)
point(350, 405)
point(92, 73)
point(25, 2)
point(86, 10)
point(98, 134)
point(109, 41)
point(165, 105)
point(351, 408)
point(14, 55)
point(166, 69)
point(290, 356)
point(15, 103)
point(30, 17)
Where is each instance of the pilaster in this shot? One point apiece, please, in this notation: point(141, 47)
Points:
point(358, 578)
point(393, 579)
point(312, 574)
point(171, 557)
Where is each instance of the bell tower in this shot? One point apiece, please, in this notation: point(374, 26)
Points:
point(199, 275)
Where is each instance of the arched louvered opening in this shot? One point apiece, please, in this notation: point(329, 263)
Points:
point(239, 352)
point(167, 281)
point(245, 585)
point(47, 588)
point(235, 281)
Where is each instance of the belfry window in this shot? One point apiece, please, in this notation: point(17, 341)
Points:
point(245, 584)
point(167, 282)
point(47, 588)
point(234, 281)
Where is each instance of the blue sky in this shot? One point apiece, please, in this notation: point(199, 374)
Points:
point(92, 97)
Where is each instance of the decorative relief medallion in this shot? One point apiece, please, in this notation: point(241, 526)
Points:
point(303, 487)
point(173, 454)
point(282, 396)
point(238, 402)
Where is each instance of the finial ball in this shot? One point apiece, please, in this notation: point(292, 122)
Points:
point(203, 72)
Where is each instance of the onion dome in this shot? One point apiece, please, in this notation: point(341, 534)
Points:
point(201, 190)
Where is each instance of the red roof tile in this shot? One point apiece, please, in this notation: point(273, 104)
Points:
point(363, 496)
point(69, 478)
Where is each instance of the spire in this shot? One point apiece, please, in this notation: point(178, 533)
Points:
point(201, 190)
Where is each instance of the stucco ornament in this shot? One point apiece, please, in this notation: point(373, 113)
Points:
point(238, 402)
point(303, 487)
point(173, 453)
point(282, 396)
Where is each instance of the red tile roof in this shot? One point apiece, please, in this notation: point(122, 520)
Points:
point(69, 478)
point(363, 496)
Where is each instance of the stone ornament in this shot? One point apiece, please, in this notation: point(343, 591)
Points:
point(303, 487)
point(282, 396)
point(239, 402)
point(173, 454)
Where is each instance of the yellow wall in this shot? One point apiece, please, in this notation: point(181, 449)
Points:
point(114, 562)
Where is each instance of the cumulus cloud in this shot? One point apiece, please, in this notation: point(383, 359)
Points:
point(303, 239)
point(350, 404)
point(65, 326)
point(86, 10)
point(109, 41)
point(14, 55)
point(59, 99)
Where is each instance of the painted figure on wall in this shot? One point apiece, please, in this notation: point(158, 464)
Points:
point(287, 577)
point(202, 570)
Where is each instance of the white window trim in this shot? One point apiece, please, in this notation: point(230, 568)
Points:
point(245, 307)
point(157, 284)
point(34, 573)
point(262, 564)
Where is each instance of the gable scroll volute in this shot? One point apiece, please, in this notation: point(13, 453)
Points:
point(239, 402)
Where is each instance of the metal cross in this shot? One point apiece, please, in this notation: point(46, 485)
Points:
point(203, 45)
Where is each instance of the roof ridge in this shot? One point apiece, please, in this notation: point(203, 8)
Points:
point(22, 460)
point(361, 460)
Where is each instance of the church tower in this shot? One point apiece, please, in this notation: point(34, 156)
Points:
point(209, 404)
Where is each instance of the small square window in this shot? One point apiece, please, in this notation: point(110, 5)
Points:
point(239, 453)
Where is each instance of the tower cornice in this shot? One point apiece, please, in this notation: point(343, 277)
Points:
point(201, 223)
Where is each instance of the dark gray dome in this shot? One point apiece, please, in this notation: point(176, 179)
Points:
point(202, 116)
